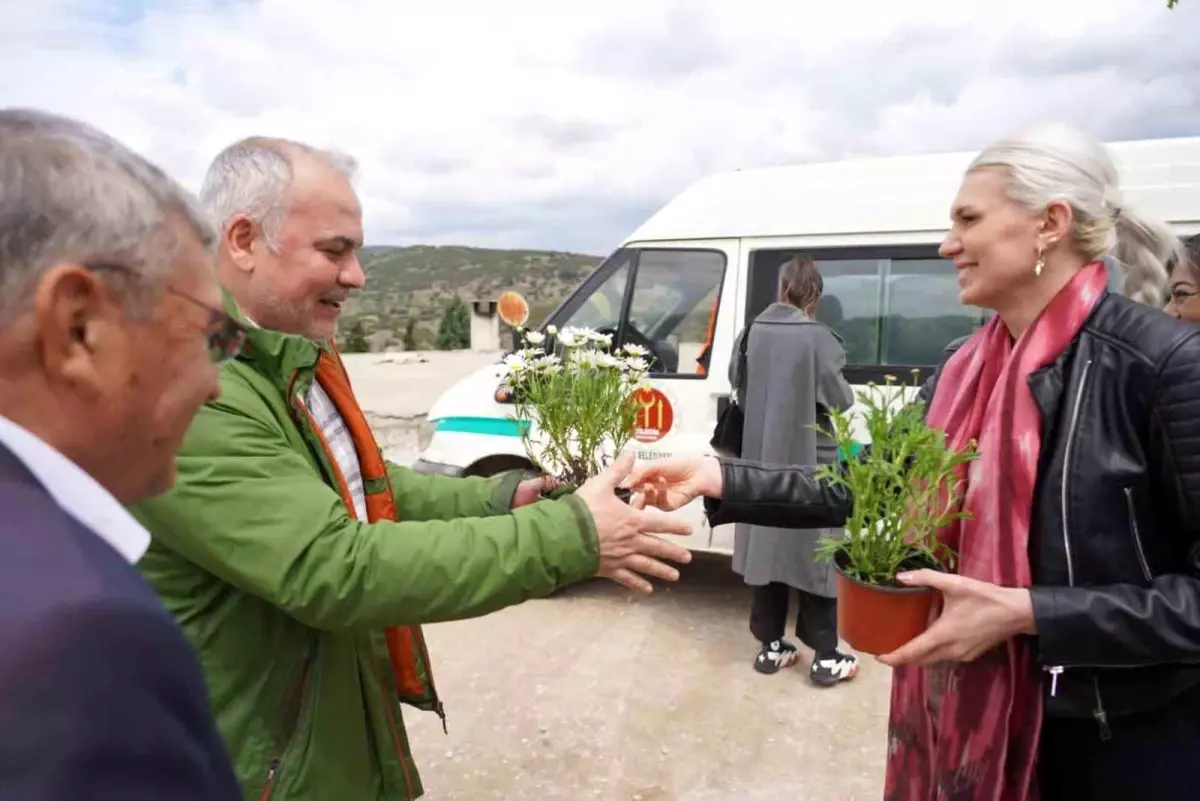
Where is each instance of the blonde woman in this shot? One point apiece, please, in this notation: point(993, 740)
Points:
point(1065, 663)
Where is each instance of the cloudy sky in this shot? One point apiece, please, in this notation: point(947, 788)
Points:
point(517, 124)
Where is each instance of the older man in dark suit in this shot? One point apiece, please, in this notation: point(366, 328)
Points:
point(110, 327)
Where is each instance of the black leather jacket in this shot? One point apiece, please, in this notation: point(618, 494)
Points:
point(1115, 536)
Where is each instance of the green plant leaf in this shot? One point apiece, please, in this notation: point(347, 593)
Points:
point(906, 486)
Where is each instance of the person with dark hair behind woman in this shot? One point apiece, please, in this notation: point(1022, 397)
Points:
point(793, 375)
point(1184, 283)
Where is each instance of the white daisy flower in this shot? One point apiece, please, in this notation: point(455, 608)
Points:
point(571, 337)
point(584, 359)
point(606, 360)
point(635, 350)
point(535, 337)
point(515, 363)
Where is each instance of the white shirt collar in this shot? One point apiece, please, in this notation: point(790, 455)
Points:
point(79, 495)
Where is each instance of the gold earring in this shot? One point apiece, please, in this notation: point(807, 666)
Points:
point(1039, 266)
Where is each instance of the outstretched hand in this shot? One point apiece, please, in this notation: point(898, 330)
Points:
point(672, 483)
point(530, 490)
point(976, 617)
point(626, 532)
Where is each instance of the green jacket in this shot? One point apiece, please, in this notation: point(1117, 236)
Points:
point(285, 595)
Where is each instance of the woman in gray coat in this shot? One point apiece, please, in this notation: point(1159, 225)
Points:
point(793, 375)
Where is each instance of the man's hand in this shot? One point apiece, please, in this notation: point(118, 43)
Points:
point(530, 490)
point(672, 483)
point(976, 617)
point(628, 547)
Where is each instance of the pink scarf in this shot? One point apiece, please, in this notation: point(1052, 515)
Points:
point(969, 731)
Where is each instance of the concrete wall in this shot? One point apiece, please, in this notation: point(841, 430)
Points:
point(485, 326)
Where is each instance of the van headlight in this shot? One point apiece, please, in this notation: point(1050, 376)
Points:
point(425, 433)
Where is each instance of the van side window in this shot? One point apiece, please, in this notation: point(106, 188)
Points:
point(673, 308)
point(923, 314)
point(850, 305)
point(894, 308)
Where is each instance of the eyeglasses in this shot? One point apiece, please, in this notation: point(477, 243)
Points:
point(224, 335)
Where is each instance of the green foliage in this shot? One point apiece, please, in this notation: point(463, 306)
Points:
point(355, 340)
point(410, 334)
point(1171, 3)
point(577, 406)
point(416, 282)
point(905, 487)
point(454, 332)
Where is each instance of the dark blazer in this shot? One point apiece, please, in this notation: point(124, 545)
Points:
point(101, 697)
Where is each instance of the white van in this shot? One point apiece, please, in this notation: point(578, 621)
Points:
point(686, 281)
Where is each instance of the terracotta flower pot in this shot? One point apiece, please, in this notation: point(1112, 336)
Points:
point(877, 620)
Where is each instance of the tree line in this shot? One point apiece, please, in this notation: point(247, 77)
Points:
point(454, 331)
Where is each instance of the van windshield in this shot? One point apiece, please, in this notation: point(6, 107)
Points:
point(598, 304)
point(671, 302)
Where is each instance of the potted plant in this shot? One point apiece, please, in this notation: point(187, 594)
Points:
point(575, 399)
point(906, 486)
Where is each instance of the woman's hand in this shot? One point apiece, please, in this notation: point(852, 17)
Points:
point(976, 617)
point(672, 483)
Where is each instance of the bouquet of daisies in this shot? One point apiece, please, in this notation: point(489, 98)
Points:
point(575, 401)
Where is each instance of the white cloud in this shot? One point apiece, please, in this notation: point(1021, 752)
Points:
point(518, 124)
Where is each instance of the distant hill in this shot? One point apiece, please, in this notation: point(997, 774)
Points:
point(418, 283)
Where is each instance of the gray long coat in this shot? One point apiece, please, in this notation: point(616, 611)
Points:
point(793, 363)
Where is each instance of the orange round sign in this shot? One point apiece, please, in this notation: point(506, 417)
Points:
point(654, 415)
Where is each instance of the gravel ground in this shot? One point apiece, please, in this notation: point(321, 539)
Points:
point(396, 436)
point(599, 694)
point(395, 391)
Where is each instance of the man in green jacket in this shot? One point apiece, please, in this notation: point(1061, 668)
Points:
point(299, 563)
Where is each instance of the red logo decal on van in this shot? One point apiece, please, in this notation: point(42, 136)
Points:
point(654, 415)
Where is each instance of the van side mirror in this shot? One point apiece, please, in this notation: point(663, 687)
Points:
point(513, 308)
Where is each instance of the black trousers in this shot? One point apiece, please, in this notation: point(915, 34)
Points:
point(1152, 755)
point(816, 618)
